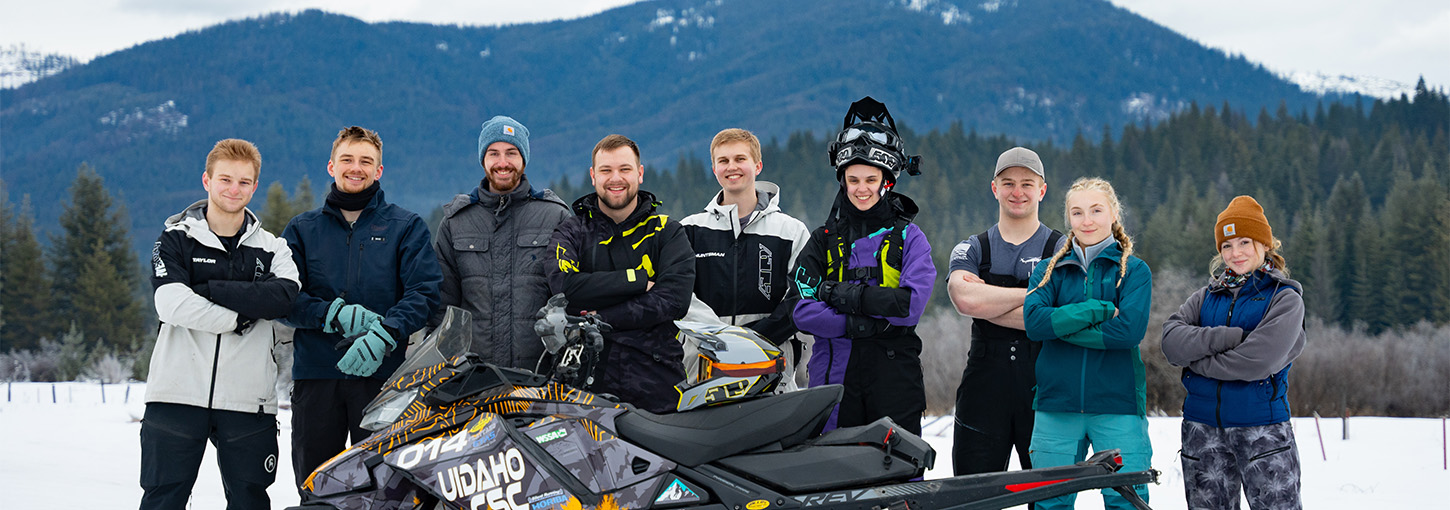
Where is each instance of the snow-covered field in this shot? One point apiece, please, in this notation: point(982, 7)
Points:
point(84, 453)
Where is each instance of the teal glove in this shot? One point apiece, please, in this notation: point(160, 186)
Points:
point(350, 320)
point(1071, 318)
point(367, 351)
point(809, 286)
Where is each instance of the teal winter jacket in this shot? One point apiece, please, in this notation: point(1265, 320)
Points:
point(1090, 361)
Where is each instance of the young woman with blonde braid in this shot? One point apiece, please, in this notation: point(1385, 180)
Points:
point(1236, 339)
point(1088, 305)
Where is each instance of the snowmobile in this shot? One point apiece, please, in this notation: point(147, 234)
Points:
point(455, 433)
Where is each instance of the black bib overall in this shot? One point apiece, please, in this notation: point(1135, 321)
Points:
point(994, 401)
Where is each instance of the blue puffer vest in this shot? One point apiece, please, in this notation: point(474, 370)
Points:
point(1238, 403)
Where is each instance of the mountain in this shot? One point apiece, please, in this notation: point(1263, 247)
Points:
point(668, 73)
point(19, 65)
point(1320, 83)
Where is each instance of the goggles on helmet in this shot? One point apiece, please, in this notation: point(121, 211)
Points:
point(868, 134)
point(868, 131)
point(869, 154)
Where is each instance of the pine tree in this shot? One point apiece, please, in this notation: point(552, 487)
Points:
point(88, 219)
point(25, 300)
point(1347, 202)
point(1309, 256)
point(104, 306)
point(303, 199)
point(277, 211)
point(1373, 275)
point(74, 352)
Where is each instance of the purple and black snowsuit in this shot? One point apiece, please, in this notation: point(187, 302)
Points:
point(863, 312)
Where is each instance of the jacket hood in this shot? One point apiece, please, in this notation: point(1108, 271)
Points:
point(587, 206)
point(895, 205)
point(1112, 252)
point(766, 194)
point(193, 221)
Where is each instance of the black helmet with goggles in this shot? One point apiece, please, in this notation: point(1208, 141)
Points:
point(868, 135)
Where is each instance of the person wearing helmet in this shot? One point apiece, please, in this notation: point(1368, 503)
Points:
point(865, 278)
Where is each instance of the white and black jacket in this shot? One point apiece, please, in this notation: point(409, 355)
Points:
point(744, 275)
point(200, 359)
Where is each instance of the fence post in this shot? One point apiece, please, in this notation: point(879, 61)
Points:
point(128, 395)
point(1444, 447)
point(1344, 416)
point(52, 394)
point(103, 392)
point(1318, 432)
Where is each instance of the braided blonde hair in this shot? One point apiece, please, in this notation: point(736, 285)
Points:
point(1124, 241)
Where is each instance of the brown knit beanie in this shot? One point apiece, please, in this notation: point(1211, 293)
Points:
point(1243, 218)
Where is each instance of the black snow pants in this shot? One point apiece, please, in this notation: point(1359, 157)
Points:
point(326, 413)
point(173, 440)
point(994, 401)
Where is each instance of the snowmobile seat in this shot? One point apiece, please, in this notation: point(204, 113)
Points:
point(696, 437)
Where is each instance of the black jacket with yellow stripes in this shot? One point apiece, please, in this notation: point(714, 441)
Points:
point(604, 266)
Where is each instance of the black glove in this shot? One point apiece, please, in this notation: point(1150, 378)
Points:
point(845, 297)
point(244, 323)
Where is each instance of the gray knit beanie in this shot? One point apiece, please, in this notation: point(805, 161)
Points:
point(504, 129)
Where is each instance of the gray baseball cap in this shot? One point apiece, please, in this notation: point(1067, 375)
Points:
point(1020, 156)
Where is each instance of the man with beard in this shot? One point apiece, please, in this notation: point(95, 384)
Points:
point(369, 279)
point(493, 249)
point(634, 267)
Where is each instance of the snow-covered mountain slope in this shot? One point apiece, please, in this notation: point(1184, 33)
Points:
point(19, 65)
point(1322, 84)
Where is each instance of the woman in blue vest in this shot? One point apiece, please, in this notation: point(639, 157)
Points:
point(1236, 339)
point(1088, 305)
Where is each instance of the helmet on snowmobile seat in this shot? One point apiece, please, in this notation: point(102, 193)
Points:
point(734, 363)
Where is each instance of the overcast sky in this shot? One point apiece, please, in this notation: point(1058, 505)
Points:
point(1395, 39)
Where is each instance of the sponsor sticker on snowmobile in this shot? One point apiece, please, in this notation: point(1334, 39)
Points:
point(478, 424)
point(548, 499)
point(550, 436)
point(493, 481)
point(758, 504)
point(676, 492)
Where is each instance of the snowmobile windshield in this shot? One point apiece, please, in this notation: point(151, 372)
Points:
point(449, 340)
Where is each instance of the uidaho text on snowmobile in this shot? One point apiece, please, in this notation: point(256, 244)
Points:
point(453, 432)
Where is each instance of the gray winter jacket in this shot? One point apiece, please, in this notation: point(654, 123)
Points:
point(493, 250)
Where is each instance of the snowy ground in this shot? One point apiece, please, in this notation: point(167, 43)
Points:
point(86, 453)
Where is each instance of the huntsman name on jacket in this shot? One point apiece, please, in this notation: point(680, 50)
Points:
point(1236, 345)
point(199, 359)
point(744, 275)
point(494, 253)
point(384, 262)
point(1095, 369)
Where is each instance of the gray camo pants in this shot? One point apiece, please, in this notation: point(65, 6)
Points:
point(1218, 462)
